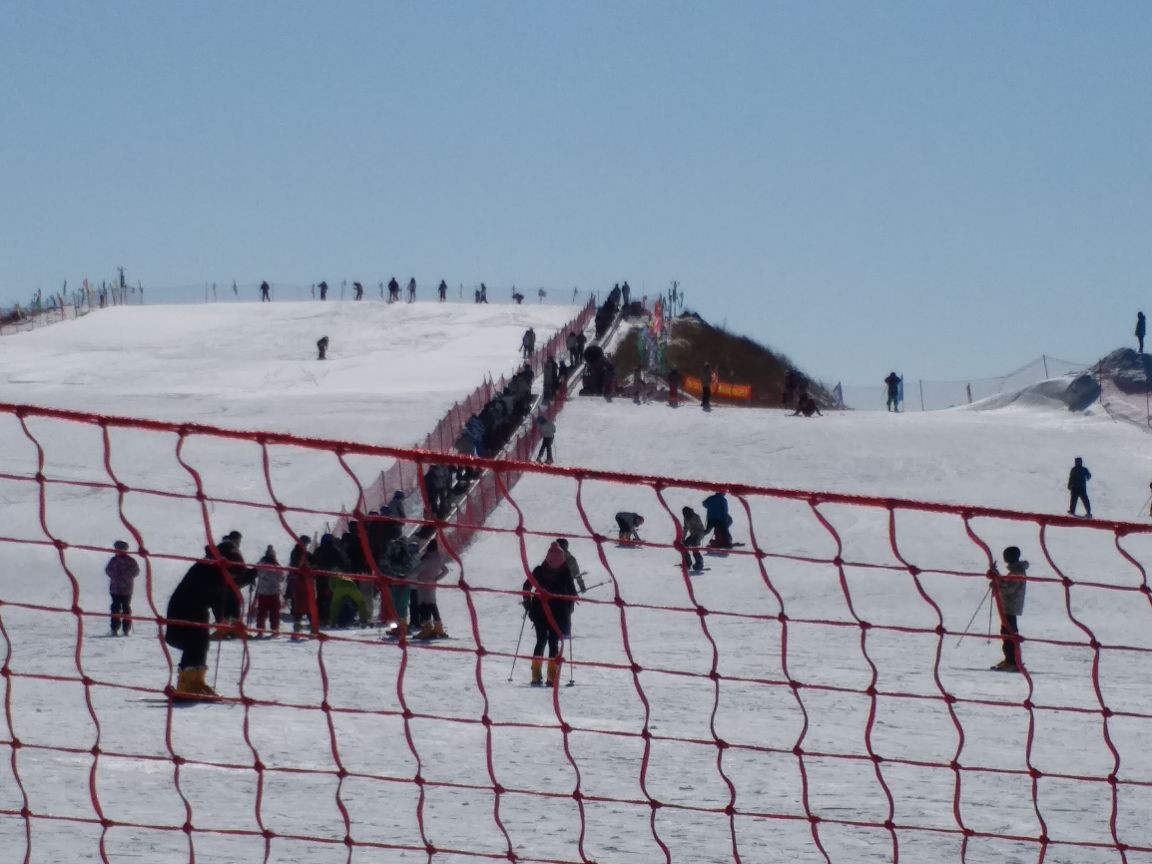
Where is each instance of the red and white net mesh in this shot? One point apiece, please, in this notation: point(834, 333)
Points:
point(806, 698)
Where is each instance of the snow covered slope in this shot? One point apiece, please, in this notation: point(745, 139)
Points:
point(633, 733)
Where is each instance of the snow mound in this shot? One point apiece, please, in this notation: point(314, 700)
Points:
point(1071, 392)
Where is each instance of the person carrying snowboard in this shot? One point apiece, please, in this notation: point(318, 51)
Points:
point(549, 595)
point(1010, 600)
point(1078, 479)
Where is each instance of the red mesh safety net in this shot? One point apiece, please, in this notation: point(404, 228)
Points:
point(818, 692)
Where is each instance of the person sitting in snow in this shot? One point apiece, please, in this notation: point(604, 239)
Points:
point(716, 507)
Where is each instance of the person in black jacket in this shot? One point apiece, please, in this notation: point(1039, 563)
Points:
point(549, 595)
point(211, 585)
point(1078, 479)
point(329, 558)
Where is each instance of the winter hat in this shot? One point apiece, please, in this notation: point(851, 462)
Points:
point(555, 557)
point(120, 545)
point(1012, 554)
point(562, 542)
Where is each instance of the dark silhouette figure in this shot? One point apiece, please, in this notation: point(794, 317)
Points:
point(412, 290)
point(322, 348)
point(893, 384)
point(265, 295)
point(443, 290)
point(323, 286)
point(1140, 330)
point(706, 388)
point(359, 289)
point(1010, 592)
point(483, 293)
point(1078, 479)
point(393, 290)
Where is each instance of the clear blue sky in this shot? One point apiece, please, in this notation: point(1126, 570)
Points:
point(946, 189)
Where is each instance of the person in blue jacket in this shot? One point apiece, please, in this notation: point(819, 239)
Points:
point(716, 507)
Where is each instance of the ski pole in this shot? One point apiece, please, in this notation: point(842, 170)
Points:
point(216, 671)
point(597, 585)
point(1144, 507)
point(974, 614)
point(518, 638)
point(571, 655)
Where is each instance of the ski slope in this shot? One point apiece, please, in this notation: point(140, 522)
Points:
point(393, 372)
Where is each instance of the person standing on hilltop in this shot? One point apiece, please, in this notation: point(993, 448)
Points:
point(443, 291)
point(1140, 330)
point(706, 388)
point(264, 293)
point(892, 382)
point(1078, 479)
point(323, 286)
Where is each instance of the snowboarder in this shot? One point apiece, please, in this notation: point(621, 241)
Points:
point(443, 291)
point(121, 571)
point(1140, 331)
point(323, 286)
point(693, 535)
point(265, 295)
point(549, 595)
point(893, 384)
point(628, 523)
point(431, 570)
point(528, 343)
point(269, 591)
point(1010, 598)
point(807, 406)
point(547, 435)
point(1078, 479)
point(211, 585)
point(716, 506)
point(322, 348)
point(706, 388)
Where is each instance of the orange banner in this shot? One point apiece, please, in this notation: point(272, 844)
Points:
point(720, 389)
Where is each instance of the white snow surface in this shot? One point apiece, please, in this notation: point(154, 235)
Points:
point(793, 712)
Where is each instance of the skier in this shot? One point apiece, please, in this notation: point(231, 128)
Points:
point(716, 506)
point(437, 482)
point(1078, 479)
point(675, 383)
point(547, 435)
point(399, 562)
point(322, 348)
point(1140, 330)
point(628, 523)
point(301, 586)
point(549, 595)
point(573, 347)
point(412, 290)
point(393, 290)
point(431, 570)
point(359, 289)
point(483, 293)
point(1010, 598)
point(328, 559)
point(528, 343)
point(693, 535)
point(893, 383)
point(549, 378)
point(211, 585)
point(269, 590)
point(323, 286)
point(443, 291)
point(121, 571)
point(265, 295)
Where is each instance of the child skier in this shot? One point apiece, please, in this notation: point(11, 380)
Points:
point(1010, 598)
point(121, 571)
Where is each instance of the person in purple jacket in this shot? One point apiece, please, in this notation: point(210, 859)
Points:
point(122, 571)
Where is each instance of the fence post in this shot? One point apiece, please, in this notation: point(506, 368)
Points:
point(1044, 359)
point(922, 394)
point(968, 389)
